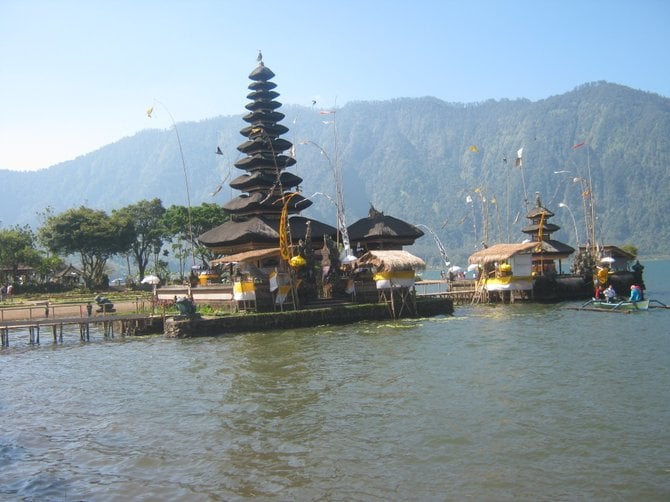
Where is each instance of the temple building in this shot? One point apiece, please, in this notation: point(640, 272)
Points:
point(379, 231)
point(269, 192)
point(531, 269)
point(548, 251)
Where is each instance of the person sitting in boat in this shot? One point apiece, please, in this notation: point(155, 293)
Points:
point(598, 294)
point(610, 294)
point(635, 293)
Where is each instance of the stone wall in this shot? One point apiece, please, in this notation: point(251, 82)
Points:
point(344, 314)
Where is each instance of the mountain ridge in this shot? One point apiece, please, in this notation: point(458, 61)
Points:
point(411, 158)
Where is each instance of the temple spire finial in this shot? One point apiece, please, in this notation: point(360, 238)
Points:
point(259, 58)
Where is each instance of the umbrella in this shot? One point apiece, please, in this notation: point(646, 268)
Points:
point(473, 266)
point(347, 259)
point(455, 268)
point(607, 259)
point(151, 279)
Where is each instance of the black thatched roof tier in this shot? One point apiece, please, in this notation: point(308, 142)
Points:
point(546, 228)
point(254, 162)
point(258, 231)
point(263, 94)
point(262, 105)
point(266, 180)
point(264, 145)
point(263, 203)
point(537, 212)
point(552, 247)
point(381, 231)
point(262, 116)
point(539, 209)
point(272, 130)
point(261, 73)
point(261, 86)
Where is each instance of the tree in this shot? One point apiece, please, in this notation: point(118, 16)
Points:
point(92, 234)
point(203, 218)
point(630, 248)
point(148, 228)
point(17, 248)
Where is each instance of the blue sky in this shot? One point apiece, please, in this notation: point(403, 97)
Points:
point(77, 75)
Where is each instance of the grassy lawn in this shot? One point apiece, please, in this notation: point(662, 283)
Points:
point(74, 297)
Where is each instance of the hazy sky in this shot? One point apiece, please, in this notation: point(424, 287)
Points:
point(76, 75)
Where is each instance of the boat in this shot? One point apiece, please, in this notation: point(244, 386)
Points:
point(617, 305)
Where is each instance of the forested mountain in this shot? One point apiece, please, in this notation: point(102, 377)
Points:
point(420, 160)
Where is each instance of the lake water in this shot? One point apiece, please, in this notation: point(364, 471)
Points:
point(529, 402)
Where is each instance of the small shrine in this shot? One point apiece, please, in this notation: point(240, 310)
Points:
point(548, 250)
point(378, 231)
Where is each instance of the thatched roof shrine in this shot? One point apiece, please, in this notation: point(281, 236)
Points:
point(391, 261)
point(501, 252)
point(380, 231)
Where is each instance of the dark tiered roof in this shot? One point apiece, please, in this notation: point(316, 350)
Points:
point(380, 231)
point(255, 213)
point(549, 247)
point(538, 217)
point(265, 180)
point(258, 232)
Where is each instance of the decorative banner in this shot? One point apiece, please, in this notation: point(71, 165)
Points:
point(394, 280)
point(244, 291)
point(282, 294)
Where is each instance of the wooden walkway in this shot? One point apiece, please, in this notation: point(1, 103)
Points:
point(461, 292)
point(127, 324)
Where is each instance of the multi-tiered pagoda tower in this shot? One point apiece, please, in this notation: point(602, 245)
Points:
point(266, 185)
point(548, 249)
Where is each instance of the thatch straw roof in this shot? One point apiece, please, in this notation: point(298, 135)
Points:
point(256, 254)
point(501, 252)
point(384, 227)
point(378, 227)
point(391, 261)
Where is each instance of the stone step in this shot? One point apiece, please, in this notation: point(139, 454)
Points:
point(326, 302)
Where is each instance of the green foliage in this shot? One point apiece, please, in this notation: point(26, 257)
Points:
point(629, 248)
point(17, 248)
point(93, 235)
point(149, 230)
point(185, 228)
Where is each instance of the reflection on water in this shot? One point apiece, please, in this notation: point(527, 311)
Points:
point(495, 403)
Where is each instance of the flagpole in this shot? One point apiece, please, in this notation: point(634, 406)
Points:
point(183, 165)
point(507, 196)
point(519, 163)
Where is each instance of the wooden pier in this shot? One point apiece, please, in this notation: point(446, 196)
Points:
point(125, 324)
point(460, 292)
